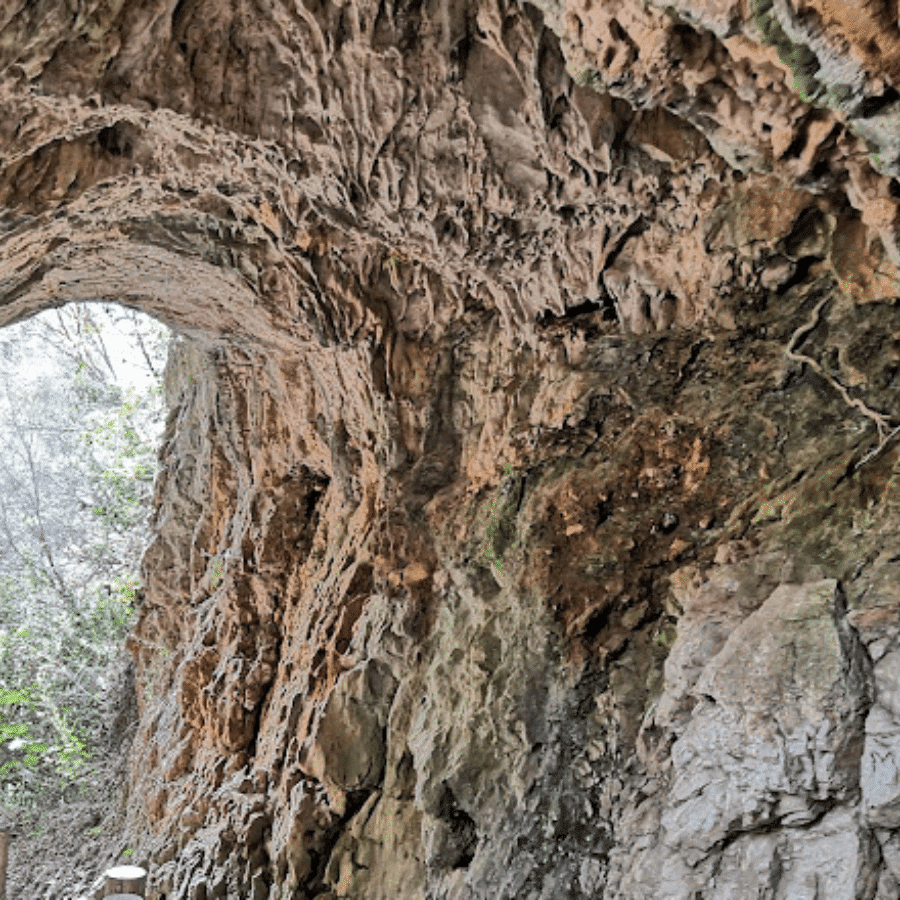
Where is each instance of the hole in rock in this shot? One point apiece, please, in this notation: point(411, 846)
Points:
point(584, 308)
point(801, 273)
point(117, 139)
point(596, 623)
point(81, 415)
point(461, 838)
point(809, 225)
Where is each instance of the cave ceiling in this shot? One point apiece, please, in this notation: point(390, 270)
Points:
point(541, 401)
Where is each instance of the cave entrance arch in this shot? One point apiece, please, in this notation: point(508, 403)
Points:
point(81, 410)
point(81, 415)
point(280, 422)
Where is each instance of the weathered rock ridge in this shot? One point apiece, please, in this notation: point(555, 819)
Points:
point(529, 509)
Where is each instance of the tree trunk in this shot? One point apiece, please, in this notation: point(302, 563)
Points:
point(4, 853)
point(128, 881)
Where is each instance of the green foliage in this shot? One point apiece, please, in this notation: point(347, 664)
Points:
point(31, 749)
point(47, 763)
point(83, 453)
point(123, 485)
point(72, 753)
point(116, 614)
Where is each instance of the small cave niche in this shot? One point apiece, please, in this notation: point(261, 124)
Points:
point(460, 840)
point(801, 274)
point(579, 312)
point(807, 233)
point(596, 623)
point(586, 307)
point(118, 139)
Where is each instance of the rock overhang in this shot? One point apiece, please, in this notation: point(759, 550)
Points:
point(482, 358)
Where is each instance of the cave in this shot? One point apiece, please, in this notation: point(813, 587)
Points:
point(526, 522)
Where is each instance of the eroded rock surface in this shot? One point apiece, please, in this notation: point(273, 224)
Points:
point(527, 524)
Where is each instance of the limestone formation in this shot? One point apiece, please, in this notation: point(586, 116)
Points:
point(528, 520)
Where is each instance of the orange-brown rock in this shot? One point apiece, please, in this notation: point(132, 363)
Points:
point(526, 524)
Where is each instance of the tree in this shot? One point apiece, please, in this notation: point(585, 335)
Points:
point(77, 461)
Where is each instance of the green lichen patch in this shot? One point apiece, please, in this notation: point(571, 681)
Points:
point(664, 634)
point(800, 59)
point(500, 528)
point(584, 76)
point(665, 637)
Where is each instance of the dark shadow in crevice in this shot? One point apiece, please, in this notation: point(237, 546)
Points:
point(871, 106)
point(585, 308)
point(461, 842)
point(801, 274)
point(117, 139)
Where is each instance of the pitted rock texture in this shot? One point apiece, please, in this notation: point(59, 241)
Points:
point(527, 520)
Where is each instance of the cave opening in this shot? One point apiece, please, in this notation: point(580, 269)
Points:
point(82, 407)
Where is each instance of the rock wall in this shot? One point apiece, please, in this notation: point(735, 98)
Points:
point(527, 524)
